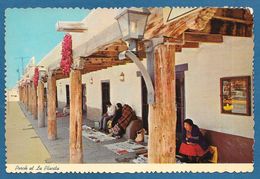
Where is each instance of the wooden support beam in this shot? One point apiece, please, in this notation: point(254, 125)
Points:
point(30, 97)
point(195, 20)
point(242, 21)
point(41, 108)
point(104, 54)
point(51, 97)
point(34, 102)
point(162, 114)
point(194, 37)
point(19, 93)
point(116, 46)
point(26, 97)
point(76, 151)
point(191, 45)
point(60, 76)
point(90, 66)
point(178, 48)
point(202, 37)
point(106, 63)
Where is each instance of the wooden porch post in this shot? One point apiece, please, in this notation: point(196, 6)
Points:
point(27, 97)
point(52, 122)
point(162, 115)
point(34, 103)
point(30, 97)
point(20, 94)
point(41, 109)
point(76, 151)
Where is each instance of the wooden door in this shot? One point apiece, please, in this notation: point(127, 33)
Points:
point(145, 106)
point(67, 95)
point(105, 89)
point(180, 100)
point(56, 97)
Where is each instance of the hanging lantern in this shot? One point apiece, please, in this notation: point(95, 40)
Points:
point(66, 54)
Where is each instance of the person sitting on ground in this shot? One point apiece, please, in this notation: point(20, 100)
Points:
point(108, 115)
point(193, 143)
point(127, 116)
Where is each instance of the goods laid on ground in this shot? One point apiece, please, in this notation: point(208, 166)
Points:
point(95, 135)
point(121, 148)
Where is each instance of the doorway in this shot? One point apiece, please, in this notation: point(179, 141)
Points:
point(84, 98)
point(67, 95)
point(56, 98)
point(180, 100)
point(145, 106)
point(105, 90)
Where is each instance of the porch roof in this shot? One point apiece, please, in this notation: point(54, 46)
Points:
point(102, 49)
point(98, 48)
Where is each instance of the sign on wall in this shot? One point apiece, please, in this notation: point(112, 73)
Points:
point(235, 95)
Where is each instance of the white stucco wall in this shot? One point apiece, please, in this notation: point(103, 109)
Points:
point(61, 90)
point(128, 91)
point(206, 65)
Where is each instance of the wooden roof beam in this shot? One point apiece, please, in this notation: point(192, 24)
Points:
point(106, 63)
point(248, 22)
point(61, 76)
point(200, 37)
point(88, 66)
point(191, 45)
point(196, 37)
point(104, 54)
point(178, 48)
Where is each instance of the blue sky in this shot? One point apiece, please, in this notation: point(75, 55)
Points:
point(31, 32)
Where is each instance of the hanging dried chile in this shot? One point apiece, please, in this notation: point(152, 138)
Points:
point(66, 54)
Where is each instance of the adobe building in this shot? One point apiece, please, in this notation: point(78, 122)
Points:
point(202, 70)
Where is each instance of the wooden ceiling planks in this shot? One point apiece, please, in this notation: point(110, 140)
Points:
point(231, 22)
point(196, 20)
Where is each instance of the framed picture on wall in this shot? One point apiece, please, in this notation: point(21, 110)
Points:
point(235, 95)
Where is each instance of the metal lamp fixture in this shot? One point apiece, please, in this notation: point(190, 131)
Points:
point(122, 77)
point(132, 23)
point(63, 26)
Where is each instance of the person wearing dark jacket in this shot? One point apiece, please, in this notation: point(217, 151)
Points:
point(118, 114)
point(193, 143)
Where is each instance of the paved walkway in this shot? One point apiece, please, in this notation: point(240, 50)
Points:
point(59, 149)
point(23, 143)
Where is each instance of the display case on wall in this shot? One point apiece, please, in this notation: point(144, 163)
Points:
point(235, 95)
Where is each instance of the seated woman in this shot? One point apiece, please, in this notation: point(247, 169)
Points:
point(127, 116)
point(108, 115)
point(193, 144)
point(118, 114)
point(112, 122)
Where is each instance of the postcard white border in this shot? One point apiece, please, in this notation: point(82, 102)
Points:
point(128, 168)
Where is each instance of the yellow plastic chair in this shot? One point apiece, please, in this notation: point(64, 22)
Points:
point(214, 158)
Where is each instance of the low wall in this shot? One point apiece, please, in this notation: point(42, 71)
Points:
point(231, 148)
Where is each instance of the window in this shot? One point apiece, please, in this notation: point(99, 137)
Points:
point(235, 95)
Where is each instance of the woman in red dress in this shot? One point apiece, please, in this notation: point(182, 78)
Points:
point(193, 143)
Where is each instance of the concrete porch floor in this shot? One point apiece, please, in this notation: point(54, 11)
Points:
point(59, 149)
